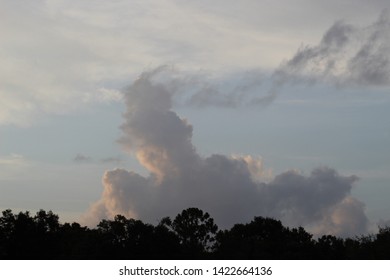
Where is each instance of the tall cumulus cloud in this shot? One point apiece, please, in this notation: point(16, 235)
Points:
point(235, 188)
point(231, 189)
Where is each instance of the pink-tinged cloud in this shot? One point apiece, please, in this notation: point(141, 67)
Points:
point(231, 189)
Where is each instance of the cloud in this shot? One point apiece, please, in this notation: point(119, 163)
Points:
point(231, 189)
point(45, 68)
point(59, 57)
point(345, 219)
point(12, 159)
point(82, 158)
point(347, 55)
point(116, 160)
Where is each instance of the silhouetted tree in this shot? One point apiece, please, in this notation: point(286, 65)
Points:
point(263, 238)
point(298, 244)
point(330, 247)
point(23, 240)
point(7, 225)
point(354, 249)
point(132, 239)
point(46, 221)
point(196, 231)
point(77, 242)
point(191, 235)
point(166, 243)
point(381, 244)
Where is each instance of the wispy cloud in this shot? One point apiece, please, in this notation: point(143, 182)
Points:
point(82, 158)
point(59, 56)
point(115, 160)
point(12, 159)
point(348, 55)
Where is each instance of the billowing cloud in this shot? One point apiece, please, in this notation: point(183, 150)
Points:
point(232, 189)
point(347, 218)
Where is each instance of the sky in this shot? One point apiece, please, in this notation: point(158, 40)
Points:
point(243, 109)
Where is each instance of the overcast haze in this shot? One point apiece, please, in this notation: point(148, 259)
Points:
point(246, 108)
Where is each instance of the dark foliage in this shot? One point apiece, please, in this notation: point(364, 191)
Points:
point(191, 235)
point(195, 231)
point(264, 238)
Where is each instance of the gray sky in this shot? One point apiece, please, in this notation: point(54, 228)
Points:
point(296, 85)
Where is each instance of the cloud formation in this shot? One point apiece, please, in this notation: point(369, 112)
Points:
point(347, 55)
point(59, 57)
point(231, 189)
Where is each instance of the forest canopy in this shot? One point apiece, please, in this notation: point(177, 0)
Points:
point(192, 234)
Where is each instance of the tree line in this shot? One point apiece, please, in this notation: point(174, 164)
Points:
point(192, 234)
